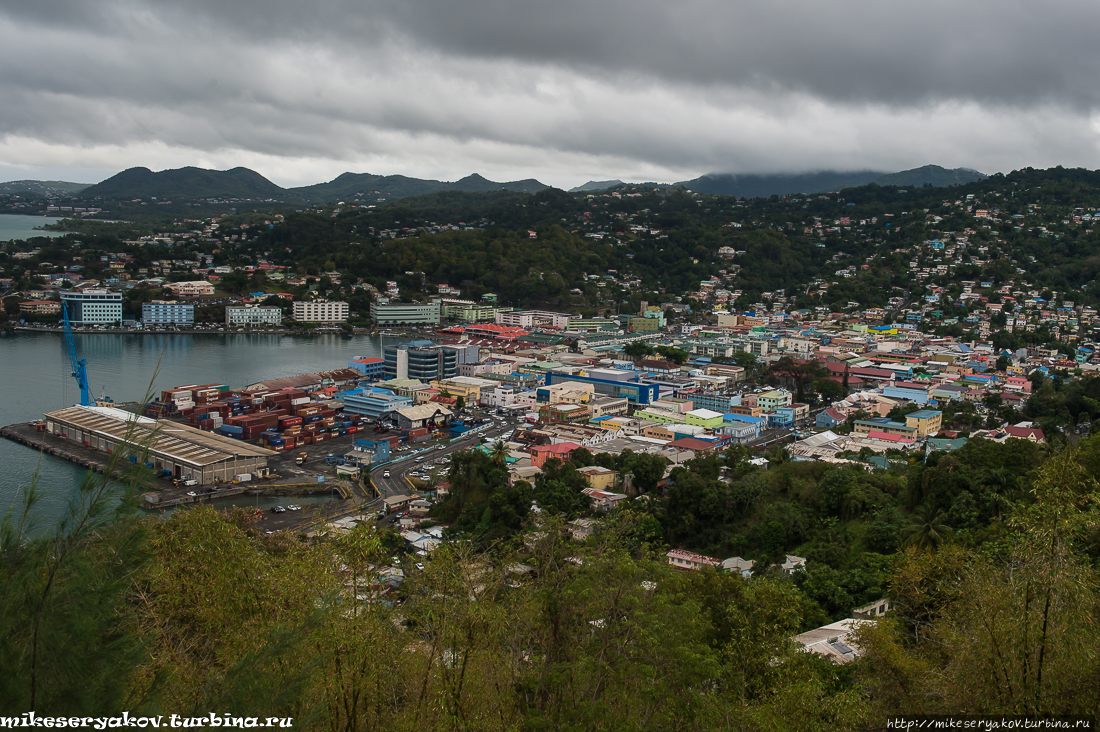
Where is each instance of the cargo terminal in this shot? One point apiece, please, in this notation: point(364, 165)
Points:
point(173, 449)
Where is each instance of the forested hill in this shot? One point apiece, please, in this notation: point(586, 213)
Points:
point(364, 185)
point(668, 240)
point(244, 184)
point(189, 183)
point(43, 187)
point(756, 186)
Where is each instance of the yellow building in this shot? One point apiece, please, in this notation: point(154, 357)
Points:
point(467, 387)
point(602, 479)
point(927, 422)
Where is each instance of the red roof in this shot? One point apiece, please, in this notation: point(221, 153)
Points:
point(886, 437)
point(1025, 433)
point(562, 448)
point(692, 443)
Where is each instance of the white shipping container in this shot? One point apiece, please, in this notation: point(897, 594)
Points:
point(183, 404)
point(299, 401)
point(244, 477)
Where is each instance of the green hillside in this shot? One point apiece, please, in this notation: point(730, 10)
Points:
point(760, 186)
point(189, 183)
point(43, 187)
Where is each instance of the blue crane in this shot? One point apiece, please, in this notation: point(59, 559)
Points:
point(79, 366)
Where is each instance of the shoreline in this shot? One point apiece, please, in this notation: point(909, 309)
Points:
point(189, 331)
point(157, 496)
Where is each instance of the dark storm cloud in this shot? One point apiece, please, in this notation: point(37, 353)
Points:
point(569, 88)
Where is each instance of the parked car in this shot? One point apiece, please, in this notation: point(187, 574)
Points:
point(191, 493)
point(278, 509)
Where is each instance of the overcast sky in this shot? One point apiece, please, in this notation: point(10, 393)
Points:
point(563, 91)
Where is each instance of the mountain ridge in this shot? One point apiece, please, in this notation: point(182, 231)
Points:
point(43, 187)
point(761, 186)
point(242, 183)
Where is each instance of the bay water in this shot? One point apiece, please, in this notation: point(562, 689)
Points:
point(14, 226)
point(35, 379)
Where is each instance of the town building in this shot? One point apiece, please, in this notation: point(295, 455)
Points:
point(613, 383)
point(319, 311)
point(93, 307)
point(196, 288)
point(533, 319)
point(422, 360)
point(252, 315)
point(683, 559)
point(927, 422)
point(168, 312)
point(40, 307)
point(386, 313)
point(373, 403)
point(370, 367)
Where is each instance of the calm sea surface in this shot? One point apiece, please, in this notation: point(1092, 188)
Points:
point(35, 378)
point(13, 226)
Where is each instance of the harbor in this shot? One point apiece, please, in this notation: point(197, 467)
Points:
point(39, 382)
point(284, 478)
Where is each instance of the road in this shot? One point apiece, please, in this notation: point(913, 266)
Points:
point(396, 484)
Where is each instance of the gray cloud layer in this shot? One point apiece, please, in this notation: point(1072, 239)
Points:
point(565, 91)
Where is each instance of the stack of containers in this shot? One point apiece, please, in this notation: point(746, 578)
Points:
point(181, 398)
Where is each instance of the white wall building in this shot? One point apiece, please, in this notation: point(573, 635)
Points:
point(319, 311)
point(253, 315)
point(93, 307)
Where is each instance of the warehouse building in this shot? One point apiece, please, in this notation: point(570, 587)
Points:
point(423, 415)
point(183, 451)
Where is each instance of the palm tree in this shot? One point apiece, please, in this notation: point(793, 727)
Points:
point(1000, 483)
point(926, 531)
point(499, 452)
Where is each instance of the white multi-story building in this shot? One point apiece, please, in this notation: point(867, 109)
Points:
point(401, 313)
point(320, 311)
point(533, 319)
point(253, 315)
point(93, 307)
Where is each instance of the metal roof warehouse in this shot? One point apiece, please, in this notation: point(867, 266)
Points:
point(182, 450)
